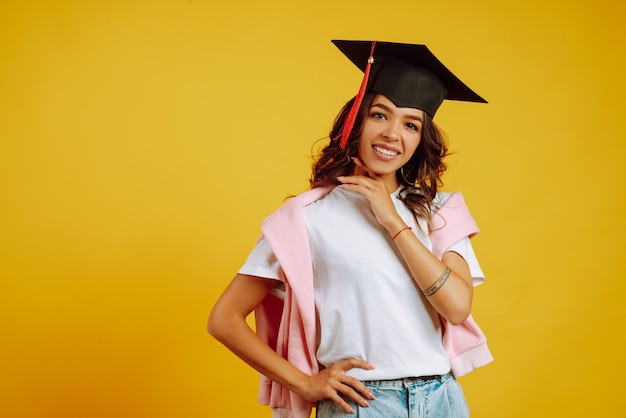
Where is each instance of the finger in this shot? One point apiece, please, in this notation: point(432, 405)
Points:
point(342, 403)
point(356, 390)
point(355, 363)
point(354, 383)
point(356, 180)
point(350, 393)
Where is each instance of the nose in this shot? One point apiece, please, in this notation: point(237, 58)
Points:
point(392, 131)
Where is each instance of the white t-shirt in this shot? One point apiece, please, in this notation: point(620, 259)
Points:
point(367, 303)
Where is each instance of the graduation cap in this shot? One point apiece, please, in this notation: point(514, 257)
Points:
point(407, 74)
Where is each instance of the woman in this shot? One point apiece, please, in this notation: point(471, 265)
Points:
point(362, 286)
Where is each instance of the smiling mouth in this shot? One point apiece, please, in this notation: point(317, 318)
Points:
point(385, 151)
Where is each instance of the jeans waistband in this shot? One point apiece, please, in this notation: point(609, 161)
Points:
point(404, 381)
point(423, 378)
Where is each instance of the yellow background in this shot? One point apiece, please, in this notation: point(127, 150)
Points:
point(142, 143)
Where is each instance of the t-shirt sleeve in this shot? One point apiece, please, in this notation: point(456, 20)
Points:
point(463, 247)
point(261, 262)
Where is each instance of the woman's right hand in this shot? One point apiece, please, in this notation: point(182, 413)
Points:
point(333, 381)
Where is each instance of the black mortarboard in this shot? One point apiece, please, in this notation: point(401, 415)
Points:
point(407, 74)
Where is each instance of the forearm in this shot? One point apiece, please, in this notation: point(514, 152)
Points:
point(450, 291)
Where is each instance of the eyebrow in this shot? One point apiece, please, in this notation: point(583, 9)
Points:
point(388, 109)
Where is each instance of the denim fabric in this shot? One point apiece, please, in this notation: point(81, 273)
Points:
point(406, 398)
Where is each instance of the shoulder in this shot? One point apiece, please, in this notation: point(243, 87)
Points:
point(441, 198)
point(449, 200)
point(291, 211)
point(450, 207)
point(451, 220)
point(306, 198)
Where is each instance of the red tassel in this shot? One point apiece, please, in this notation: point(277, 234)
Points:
point(351, 118)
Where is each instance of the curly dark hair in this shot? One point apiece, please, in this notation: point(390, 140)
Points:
point(419, 177)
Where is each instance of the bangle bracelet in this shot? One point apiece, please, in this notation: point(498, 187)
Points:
point(400, 231)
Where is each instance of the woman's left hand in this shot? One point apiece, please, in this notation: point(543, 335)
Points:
point(373, 188)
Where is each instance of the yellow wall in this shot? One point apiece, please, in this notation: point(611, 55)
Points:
point(142, 143)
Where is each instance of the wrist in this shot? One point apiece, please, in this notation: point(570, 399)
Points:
point(394, 225)
point(300, 384)
point(400, 231)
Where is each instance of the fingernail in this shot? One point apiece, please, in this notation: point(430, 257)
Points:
point(365, 404)
point(371, 396)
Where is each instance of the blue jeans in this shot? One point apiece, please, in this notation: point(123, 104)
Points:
point(440, 397)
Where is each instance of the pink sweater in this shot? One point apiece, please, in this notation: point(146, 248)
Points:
point(289, 325)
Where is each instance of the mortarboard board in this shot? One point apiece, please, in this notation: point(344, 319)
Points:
point(407, 74)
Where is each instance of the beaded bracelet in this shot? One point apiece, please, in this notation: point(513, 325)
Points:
point(400, 231)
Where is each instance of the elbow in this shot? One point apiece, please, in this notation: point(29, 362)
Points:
point(223, 326)
point(458, 315)
point(458, 306)
point(457, 318)
point(211, 328)
point(215, 326)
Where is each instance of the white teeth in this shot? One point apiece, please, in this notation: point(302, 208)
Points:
point(386, 151)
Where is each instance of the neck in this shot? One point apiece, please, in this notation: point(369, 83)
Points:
point(391, 182)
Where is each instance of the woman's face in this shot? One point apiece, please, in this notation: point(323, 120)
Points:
point(389, 137)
